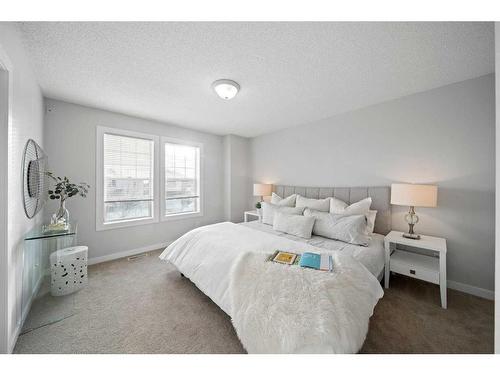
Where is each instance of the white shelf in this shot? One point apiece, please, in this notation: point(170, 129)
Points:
point(253, 213)
point(425, 242)
point(415, 260)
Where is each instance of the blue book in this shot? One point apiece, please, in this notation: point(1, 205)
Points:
point(310, 260)
point(322, 262)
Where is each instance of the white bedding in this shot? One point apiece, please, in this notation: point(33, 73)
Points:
point(280, 309)
point(207, 254)
point(372, 256)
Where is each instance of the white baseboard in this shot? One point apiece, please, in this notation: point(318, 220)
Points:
point(474, 290)
point(127, 253)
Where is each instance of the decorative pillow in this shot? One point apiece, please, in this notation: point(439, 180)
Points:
point(337, 205)
point(358, 208)
point(346, 228)
point(315, 204)
point(370, 218)
point(361, 207)
point(269, 209)
point(288, 201)
point(297, 225)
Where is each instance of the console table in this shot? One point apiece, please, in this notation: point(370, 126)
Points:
point(38, 244)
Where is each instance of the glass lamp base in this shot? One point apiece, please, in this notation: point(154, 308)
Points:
point(412, 219)
point(412, 236)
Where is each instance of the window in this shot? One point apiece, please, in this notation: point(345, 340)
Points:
point(182, 189)
point(132, 173)
point(126, 178)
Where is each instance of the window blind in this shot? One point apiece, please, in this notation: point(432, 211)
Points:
point(182, 179)
point(128, 177)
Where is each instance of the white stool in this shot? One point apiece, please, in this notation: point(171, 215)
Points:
point(68, 270)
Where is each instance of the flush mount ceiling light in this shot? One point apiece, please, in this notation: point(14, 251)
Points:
point(226, 88)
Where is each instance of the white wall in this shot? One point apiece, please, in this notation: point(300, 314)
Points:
point(26, 121)
point(443, 136)
point(237, 177)
point(4, 206)
point(497, 226)
point(226, 145)
point(70, 140)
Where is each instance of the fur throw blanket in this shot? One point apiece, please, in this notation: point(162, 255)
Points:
point(289, 309)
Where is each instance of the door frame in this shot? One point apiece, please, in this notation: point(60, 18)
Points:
point(5, 125)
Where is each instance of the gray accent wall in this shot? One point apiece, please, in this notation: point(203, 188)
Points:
point(444, 136)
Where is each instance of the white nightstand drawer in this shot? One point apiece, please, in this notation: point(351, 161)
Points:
point(415, 265)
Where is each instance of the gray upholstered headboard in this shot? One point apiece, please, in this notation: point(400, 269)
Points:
point(381, 199)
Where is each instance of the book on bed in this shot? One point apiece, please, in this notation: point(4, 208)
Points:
point(283, 257)
point(323, 262)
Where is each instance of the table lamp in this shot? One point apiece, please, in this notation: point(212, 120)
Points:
point(262, 190)
point(414, 196)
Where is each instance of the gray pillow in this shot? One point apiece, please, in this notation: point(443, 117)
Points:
point(346, 228)
point(268, 210)
point(297, 225)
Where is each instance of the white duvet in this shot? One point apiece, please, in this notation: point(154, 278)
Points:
point(207, 256)
point(371, 256)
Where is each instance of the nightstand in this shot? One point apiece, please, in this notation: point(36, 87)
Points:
point(253, 213)
point(429, 264)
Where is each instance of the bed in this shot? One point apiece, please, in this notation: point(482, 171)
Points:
point(218, 257)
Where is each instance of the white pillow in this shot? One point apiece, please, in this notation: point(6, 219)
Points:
point(315, 204)
point(370, 221)
point(297, 225)
point(288, 201)
point(361, 207)
point(269, 209)
point(337, 205)
point(358, 208)
point(346, 228)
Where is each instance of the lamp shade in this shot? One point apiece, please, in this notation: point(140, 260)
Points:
point(262, 190)
point(414, 195)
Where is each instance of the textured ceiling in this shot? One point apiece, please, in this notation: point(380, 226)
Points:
point(289, 73)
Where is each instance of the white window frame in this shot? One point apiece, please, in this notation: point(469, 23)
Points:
point(100, 224)
point(163, 164)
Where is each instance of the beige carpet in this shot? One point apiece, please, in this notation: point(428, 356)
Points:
point(144, 306)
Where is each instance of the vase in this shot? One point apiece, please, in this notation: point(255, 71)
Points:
point(62, 214)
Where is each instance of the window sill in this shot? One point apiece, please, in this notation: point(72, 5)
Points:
point(125, 223)
point(181, 216)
